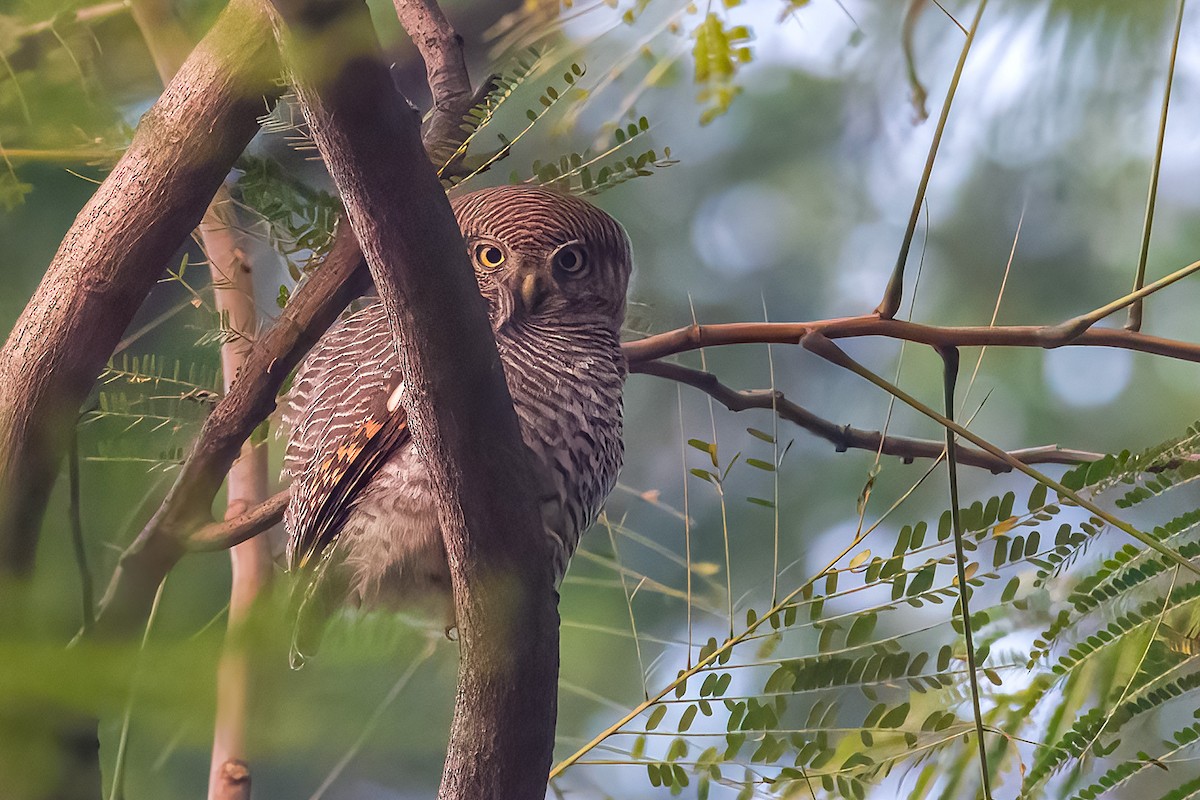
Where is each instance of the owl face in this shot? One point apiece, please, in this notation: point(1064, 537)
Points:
point(540, 256)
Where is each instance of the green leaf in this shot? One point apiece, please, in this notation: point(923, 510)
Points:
point(861, 630)
point(656, 716)
point(757, 434)
point(689, 716)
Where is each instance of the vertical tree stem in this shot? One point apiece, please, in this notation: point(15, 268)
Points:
point(231, 268)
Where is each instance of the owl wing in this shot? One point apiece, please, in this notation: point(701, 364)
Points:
point(345, 420)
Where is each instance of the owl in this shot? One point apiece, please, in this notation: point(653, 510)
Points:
point(554, 270)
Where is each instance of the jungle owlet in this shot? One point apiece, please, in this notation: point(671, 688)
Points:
point(554, 271)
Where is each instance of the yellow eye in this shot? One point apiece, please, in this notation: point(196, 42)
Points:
point(489, 256)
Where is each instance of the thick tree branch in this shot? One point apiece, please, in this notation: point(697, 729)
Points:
point(114, 253)
point(463, 421)
point(845, 437)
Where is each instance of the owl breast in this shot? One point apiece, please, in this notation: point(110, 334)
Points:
point(566, 385)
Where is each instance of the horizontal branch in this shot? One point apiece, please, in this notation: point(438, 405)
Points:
point(235, 530)
point(845, 437)
point(694, 337)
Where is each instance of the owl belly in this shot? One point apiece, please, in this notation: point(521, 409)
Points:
point(392, 542)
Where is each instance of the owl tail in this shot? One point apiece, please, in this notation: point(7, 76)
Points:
point(315, 597)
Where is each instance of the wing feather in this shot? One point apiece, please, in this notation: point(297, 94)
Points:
point(343, 427)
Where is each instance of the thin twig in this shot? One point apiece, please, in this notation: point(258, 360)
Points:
point(895, 289)
point(687, 520)
point(1012, 254)
point(86, 589)
point(1112, 710)
point(717, 484)
point(845, 437)
point(1134, 322)
point(775, 460)
point(825, 348)
point(637, 642)
point(950, 377)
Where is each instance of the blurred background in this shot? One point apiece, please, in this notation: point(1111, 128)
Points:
point(790, 205)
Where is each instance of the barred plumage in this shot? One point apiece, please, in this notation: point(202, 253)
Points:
point(554, 270)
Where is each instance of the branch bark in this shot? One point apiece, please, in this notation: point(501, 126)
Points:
point(502, 735)
point(441, 49)
point(112, 256)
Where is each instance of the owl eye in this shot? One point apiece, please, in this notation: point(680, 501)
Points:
point(571, 260)
point(489, 256)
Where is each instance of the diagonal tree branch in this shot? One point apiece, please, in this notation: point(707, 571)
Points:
point(187, 507)
point(502, 736)
point(113, 254)
point(1134, 321)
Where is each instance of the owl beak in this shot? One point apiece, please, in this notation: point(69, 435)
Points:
point(534, 290)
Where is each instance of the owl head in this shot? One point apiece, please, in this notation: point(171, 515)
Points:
point(543, 257)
